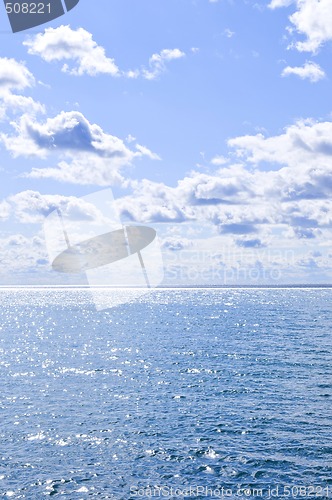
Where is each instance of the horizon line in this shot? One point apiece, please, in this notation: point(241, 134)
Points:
point(175, 287)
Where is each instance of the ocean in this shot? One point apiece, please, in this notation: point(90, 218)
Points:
point(184, 393)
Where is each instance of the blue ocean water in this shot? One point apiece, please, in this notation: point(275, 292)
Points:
point(222, 389)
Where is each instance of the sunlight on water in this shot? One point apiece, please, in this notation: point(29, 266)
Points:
point(177, 388)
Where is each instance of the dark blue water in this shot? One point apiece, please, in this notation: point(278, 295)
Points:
point(183, 389)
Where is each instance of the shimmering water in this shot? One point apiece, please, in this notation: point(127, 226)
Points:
point(184, 388)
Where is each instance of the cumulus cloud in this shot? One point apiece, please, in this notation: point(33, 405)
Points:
point(200, 197)
point(310, 71)
point(312, 19)
point(88, 155)
point(32, 207)
point(86, 57)
point(153, 202)
point(306, 213)
point(249, 205)
point(14, 75)
point(68, 131)
point(22, 254)
point(230, 185)
point(78, 170)
point(66, 44)
point(305, 142)
point(193, 198)
point(22, 104)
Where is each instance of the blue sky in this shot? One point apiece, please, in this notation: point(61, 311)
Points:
point(210, 121)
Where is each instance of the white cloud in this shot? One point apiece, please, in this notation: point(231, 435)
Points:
point(309, 70)
point(274, 4)
point(304, 143)
point(313, 19)
point(78, 170)
point(219, 160)
point(87, 57)
point(21, 254)
point(229, 33)
point(85, 153)
point(32, 207)
point(20, 103)
point(14, 75)
point(66, 132)
point(144, 151)
point(217, 198)
point(158, 62)
point(157, 202)
point(4, 210)
point(64, 43)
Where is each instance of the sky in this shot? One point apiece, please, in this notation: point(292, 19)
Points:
point(209, 120)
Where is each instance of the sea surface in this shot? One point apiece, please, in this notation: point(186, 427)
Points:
point(220, 393)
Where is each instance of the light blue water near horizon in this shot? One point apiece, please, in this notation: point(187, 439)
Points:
point(221, 388)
